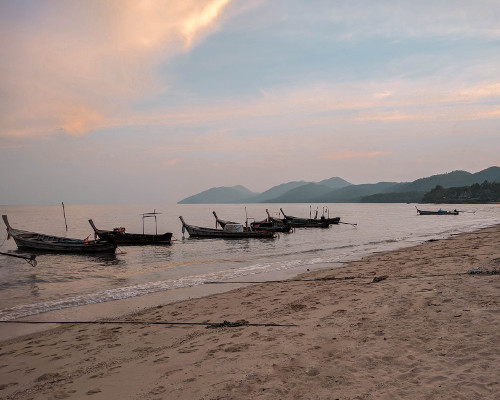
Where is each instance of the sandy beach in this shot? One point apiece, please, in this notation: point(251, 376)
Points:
point(408, 324)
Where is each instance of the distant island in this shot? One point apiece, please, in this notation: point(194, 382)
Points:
point(453, 187)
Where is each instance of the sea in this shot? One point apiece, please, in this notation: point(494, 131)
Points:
point(82, 286)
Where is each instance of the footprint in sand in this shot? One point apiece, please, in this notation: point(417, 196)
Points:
point(63, 395)
point(161, 359)
point(49, 376)
point(187, 350)
point(6, 385)
point(237, 348)
point(158, 390)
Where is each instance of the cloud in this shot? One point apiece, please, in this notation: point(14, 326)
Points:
point(478, 92)
point(74, 66)
point(323, 104)
point(171, 162)
point(202, 19)
point(340, 155)
point(407, 18)
point(83, 66)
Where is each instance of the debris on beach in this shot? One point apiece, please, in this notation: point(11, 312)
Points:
point(483, 271)
point(228, 324)
point(379, 278)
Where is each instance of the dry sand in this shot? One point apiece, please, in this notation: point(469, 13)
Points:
point(429, 330)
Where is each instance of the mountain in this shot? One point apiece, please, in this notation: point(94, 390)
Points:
point(302, 194)
point(491, 174)
point(220, 195)
point(335, 183)
point(486, 192)
point(398, 197)
point(413, 192)
point(452, 179)
point(455, 178)
point(352, 193)
point(338, 190)
point(275, 191)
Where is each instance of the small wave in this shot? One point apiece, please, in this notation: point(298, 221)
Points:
point(315, 250)
point(26, 310)
point(282, 260)
point(385, 241)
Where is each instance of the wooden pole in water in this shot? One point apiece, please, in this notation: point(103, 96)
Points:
point(64, 213)
point(156, 223)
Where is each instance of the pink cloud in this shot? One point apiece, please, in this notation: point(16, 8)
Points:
point(90, 61)
point(339, 155)
point(171, 162)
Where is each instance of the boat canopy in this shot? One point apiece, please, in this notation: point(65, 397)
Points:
point(233, 228)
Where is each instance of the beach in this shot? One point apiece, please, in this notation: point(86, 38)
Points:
point(422, 322)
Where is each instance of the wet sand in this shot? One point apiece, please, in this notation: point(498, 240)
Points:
point(411, 323)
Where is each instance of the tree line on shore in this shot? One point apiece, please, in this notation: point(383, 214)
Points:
point(486, 192)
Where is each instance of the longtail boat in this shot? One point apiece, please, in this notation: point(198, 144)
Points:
point(120, 237)
point(230, 231)
point(222, 222)
point(309, 222)
point(264, 225)
point(332, 221)
point(438, 212)
point(39, 241)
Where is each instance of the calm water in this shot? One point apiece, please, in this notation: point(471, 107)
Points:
point(68, 281)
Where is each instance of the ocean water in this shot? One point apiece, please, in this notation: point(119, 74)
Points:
point(70, 281)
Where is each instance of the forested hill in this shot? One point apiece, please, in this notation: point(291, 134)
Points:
point(338, 190)
point(486, 192)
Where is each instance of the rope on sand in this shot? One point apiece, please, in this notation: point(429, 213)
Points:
point(225, 324)
point(375, 279)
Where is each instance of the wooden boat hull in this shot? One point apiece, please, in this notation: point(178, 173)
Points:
point(309, 223)
point(298, 223)
point(89, 247)
point(57, 244)
point(442, 212)
point(136, 239)
point(258, 225)
point(270, 226)
point(222, 222)
point(200, 232)
point(277, 221)
point(132, 239)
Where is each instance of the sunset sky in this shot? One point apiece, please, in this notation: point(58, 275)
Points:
point(150, 101)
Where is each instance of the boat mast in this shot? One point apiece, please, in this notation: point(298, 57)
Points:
point(150, 215)
point(64, 212)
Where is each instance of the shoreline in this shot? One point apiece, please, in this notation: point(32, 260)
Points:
point(423, 329)
point(129, 306)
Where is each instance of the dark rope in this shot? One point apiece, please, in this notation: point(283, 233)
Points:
point(347, 223)
point(374, 278)
point(289, 280)
point(31, 260)
point(207, 324)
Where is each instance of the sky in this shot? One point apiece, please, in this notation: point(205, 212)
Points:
point(150, 101)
